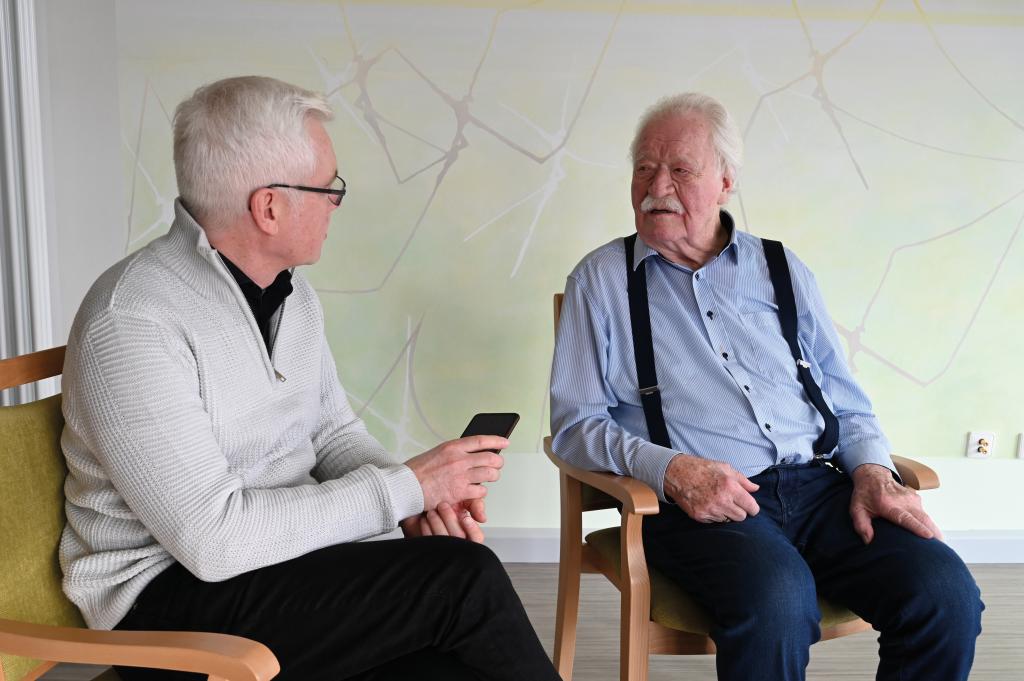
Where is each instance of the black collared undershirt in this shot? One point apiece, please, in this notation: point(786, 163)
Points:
point(263, 302)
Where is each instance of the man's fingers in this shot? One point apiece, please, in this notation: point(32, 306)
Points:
point(437, 527)
point(479, 443)
point(451, 520)
point(736, 513)
point(936, 532)
point(747, 503)
point(472, 530)
point(474, 492)
point(476, 509)
point(483, 460)
point(746, 483)
point(909, 521)
point(483, 474)
point(424, 527)
point(862, 523)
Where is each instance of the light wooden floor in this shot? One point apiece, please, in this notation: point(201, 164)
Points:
point(1000, 655)
point(1000, 652)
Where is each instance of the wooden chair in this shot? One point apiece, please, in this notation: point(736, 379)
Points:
point(39, 626)
point(656, 615)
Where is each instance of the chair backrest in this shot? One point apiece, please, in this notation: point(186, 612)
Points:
point(592, 499)
point(32, 472)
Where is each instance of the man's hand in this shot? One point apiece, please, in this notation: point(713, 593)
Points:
point(709, 491)
point(451, 472)
point(877, 495)
point(445, 521)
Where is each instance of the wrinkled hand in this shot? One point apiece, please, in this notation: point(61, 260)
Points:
point(446, 521)
point(877, 495)
point(709, 491)
point(451, 472)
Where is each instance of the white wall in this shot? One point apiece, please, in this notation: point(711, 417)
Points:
point(91, 159)
point(86, 211)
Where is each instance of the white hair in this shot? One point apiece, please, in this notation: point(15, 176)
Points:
point(725, 136)
point(236, 135)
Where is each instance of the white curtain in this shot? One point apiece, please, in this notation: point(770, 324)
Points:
point(25, 319)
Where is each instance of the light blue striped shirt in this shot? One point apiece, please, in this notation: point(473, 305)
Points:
point(729, 385)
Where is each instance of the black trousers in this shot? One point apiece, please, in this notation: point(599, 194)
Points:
point(426, 608)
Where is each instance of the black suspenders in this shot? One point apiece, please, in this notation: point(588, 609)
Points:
point(643, 348)
point(643, 345)
point(778, 270)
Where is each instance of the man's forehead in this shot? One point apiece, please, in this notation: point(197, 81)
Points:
point(676, 127)
point(685, 135)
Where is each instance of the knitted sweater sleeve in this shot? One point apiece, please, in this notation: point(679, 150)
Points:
point(343, 444)
point(138, 409)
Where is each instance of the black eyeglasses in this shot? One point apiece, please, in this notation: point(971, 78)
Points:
point(334, 195)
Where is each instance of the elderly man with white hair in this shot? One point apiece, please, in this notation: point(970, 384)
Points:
point(701, 360)
point(218, 479)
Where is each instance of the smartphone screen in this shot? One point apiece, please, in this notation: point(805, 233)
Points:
point(492, 424)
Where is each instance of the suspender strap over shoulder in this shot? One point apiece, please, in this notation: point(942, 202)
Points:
point(643, 347)
point(782, 282)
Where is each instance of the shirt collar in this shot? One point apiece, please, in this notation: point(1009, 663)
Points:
point(641, 251)
point(262, 301)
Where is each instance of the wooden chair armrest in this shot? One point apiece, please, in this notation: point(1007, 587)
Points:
point(635, 496)
point(219, 655)
point(915, 474)
point(30, 368)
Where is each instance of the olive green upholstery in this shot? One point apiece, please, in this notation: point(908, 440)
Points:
point(593, 498)
point(671, 607)
point(35, 617)
point(32, 475)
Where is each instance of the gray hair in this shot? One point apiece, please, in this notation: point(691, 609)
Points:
point(236, 135)
point(725, 136)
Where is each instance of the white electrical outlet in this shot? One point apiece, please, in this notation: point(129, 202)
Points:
point(1020, 446)
point(981, 444)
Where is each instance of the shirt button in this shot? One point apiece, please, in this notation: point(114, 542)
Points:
point(711, 315)
point(767, 426)
point(747, 388)
point(697, 276)
point(725, 354)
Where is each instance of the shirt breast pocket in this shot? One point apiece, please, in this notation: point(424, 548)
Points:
point(768, 347)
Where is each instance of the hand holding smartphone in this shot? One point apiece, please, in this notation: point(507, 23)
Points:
point(492, 424)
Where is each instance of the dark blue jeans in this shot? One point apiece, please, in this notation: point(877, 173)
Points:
point(759, 580)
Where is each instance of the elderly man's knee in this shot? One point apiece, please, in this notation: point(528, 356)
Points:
point(953, 597)
point(935, 589)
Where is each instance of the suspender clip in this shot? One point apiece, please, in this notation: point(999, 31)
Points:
point(803, 364)
point(644, 392)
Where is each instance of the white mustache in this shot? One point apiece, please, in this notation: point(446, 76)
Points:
point(664, 203)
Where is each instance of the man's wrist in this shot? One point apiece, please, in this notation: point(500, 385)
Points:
point(867, 471)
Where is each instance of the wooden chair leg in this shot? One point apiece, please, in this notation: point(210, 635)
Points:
point(636, 602)
point(569, 567)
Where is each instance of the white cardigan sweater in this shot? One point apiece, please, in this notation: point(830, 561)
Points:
point(186, 442)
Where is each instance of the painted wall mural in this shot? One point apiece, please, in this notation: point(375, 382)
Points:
point(485, 145)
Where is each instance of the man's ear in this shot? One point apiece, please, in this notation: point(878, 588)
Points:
point(266, 207)
point(727, 186)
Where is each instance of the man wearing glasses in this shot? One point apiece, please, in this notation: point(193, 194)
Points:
point(218, 479)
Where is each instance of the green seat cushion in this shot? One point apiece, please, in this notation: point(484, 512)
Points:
point(672, 607)
point(32, 475)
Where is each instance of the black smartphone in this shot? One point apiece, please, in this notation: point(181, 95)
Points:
point(492, 424)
